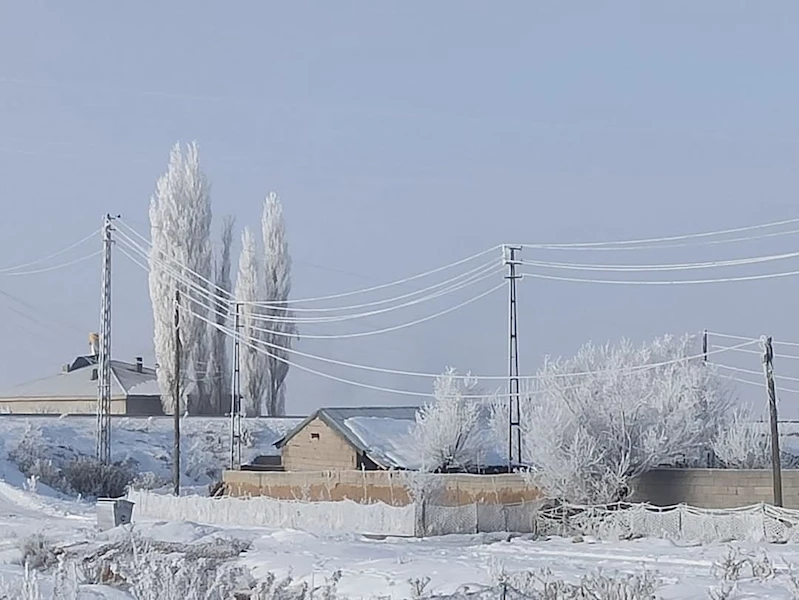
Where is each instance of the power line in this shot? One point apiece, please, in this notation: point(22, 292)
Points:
point(666, 246)
point(673, 238)
point(208, 297)
point(53, 255)
point(353, 292)
point(54, 267)
point(659, 267)
point(670, 282)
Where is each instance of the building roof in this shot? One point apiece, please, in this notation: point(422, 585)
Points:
point(396, 421)
point(76, 382)
point(384, 434)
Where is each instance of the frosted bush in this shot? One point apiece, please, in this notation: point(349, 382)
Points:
point(594, 422)
point(447, 430)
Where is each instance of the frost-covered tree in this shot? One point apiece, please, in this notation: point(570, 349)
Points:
point(254, 367)
point(741, 444)
point(277, 287)
point(180, 259)
point(218, 369)
point(594, 422)
point(448, 431)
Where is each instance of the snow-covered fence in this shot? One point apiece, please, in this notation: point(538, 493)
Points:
point(681, 523)
point(324, 517)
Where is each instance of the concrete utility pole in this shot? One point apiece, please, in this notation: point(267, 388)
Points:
point(514, 408)
point(235, 393)
point(176, 416)
point(103, 445)
point(776, 466)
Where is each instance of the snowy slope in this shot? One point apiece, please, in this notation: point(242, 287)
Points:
point(148, 441)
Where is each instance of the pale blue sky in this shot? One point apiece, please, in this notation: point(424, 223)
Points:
point(402, 136)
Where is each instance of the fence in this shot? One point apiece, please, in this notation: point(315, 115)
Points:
point(323, 517)
point(680, 524)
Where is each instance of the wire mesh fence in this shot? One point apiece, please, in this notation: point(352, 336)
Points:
point(681, 524)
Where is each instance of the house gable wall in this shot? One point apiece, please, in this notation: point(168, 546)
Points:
point(318, 447)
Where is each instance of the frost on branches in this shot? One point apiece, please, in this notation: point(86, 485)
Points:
point(741, 444)
point(277, 286)
point(218, 363)
point(254, 368)
point(180, 259)
point(592, 423)
point(447, 430)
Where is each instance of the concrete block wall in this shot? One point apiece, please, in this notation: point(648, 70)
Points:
point(714, 488)
point(389, 487)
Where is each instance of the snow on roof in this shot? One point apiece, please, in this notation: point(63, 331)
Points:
point(389, 442)
point(78, 383)
point(385, 434)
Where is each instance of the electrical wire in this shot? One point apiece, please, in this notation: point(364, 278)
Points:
point(672, 282)
point(54, 267)
point(665, 246)
point(483, 268)
point(255, 345)
point(761, 384)
point(659, 267)
point(787, 356)
point(673, 238)
point(751, 372)
point(485, 272)
point(53, 255)
point(359, 291)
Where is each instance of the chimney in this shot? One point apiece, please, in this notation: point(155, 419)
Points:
point(94, 344)
point(139, 364)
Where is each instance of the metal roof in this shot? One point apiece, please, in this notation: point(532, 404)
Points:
point(77, 383)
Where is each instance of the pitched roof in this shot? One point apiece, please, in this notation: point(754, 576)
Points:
point(384, 434)
point(76, 383)
point(340, 420)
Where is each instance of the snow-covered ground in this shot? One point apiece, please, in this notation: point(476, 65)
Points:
point(147, 441)
point(370, 567)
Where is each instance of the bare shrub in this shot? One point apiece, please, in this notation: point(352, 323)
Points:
point(37, 551)
point(543, 585)
point(92, 478)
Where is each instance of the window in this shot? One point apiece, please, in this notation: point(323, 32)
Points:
point(314, 436)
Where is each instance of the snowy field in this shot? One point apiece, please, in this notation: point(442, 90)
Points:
point(372, 568)
point(369, 567)
point(146, 442)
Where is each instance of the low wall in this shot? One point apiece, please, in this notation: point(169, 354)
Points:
point(319, 517)
point(389, 487)
point(714, 488)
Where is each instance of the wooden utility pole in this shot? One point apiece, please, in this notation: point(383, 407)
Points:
point(776, 467)
point(176, 416)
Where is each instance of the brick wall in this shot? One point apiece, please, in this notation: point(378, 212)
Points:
point(318, 447)
point(714, 488)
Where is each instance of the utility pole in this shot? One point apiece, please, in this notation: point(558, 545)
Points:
point(776, 467)
point(704, 346)
point(514, 407)
point(176, 395)
point(103, 449)
point(235, 394)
